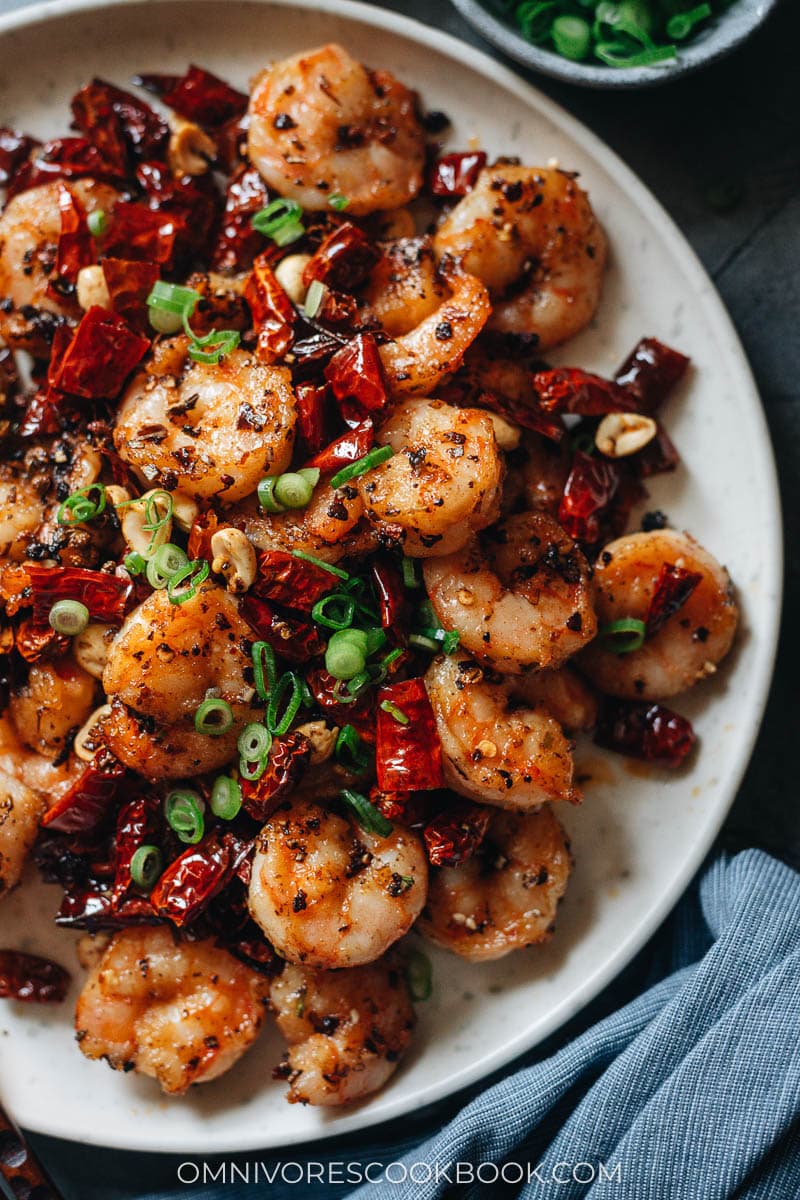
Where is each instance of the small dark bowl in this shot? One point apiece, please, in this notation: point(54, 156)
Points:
point(722, 35)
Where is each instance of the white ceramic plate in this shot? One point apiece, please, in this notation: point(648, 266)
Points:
point(640, 835)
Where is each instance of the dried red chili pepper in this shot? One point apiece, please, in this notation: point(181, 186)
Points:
point(310, 353)
point(408, 756)
point(237, 242)
point(343, 259)
point(658, 456)
point(356, 378)
point(392, 597)
point(287, 761)
point(119, 124)
point(406, 808)
point(589, 490)
point(89, 908)
point(292, 581)
point(136, 826)
point(529, 416)
point(360, 713)
point(311, 417)
point(33, 644)
point(348, 448)
point(104, 595)
point(648, 731)
point(87, 803)
point(198, 95)
point(62, 158)
point(15, 147)
point(76, 246)
point(673, 588)
point(455, 834)
point(100, 357)
point(129, 284)
point(204, 526)
point(231, 143)
point(28, 978)
point(291, 636)
point(456, 174)
point(571, 390)
point(650, 372)
point(273, 312)
point(139, 234)
point(190, 882)
point(191, 203)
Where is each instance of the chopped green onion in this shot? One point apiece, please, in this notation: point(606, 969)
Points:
point(167, 562)
point(346, 653)
point(170, 305)
point(681, 25)
point(223, 343)
point(314, 297)
point(183, 810)
point(279, 722)
point(226, 798)
point(264, 656)
point(154, 518)
point(69, 617)
point(97, 223)
point(366, 813)
point(79, 507)
point(411, 576)
point(615, 54)
point(254, 742)
point(293, 490)
point(338, 202)
point(419, 976)
point(390, 658)
point(335, 611)
point(213, 717)
point(534, 18)
point(317, 562)
point(422, 642)
point(253, 769)
point(135, 563)
point(196, 572)
point(145, 867)
point(350, 751)
point(572, 37)
point(450, 641)
point(353, 470)
point(623, 636)
point(280, 218)
point(266, 495)
point(395, 712)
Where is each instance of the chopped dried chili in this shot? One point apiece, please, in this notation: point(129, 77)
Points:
point(455, 834)
point(571, 390)
point(137, 825)
point(190, 882)
point(673, 588)
point(76, 247)
point(343, 259)
point(237, 242)
point(292, 581)
point(273, 312)
point(356, 378)
point(456, 174)
point(392, 597)
point(119, 124)
point(311, 400)
point(658, 456)
point(198, 95)
point(88, 802)
point(29, 978)
point(15, 147)
point(348, 448)
point(648, 731)
point(650, 372)
point(408, 757)
point(129, 284)
point(591, 486)
point(287, 761)
point(62, 158)
point(290, 635)
point(104, 595)
point(100, 357)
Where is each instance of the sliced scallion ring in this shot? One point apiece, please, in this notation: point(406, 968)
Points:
point(69, 617)
point(419, 975)
point(213, 716)
point(623, 636)
point(183, 809)
point(226, 798)
point(366, 813)
point(146, 866)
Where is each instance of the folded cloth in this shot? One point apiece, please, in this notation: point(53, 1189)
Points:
point(691, 1091)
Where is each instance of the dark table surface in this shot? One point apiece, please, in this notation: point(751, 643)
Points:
point(721, 151)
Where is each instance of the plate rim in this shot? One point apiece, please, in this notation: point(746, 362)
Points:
point(479, 60)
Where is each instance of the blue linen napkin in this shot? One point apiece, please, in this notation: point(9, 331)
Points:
point(691, 1091)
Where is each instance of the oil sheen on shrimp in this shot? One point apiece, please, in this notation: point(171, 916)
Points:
point(506, 896)
point(180, 1012)
point(519, 597)
point(444, 481)
point(689, 645)
point(20, 811)
point(166, 659)
point(495, 750)
point(212, 430)
point(347, 1030)
point(52, 704)
point(327, 893)
point(405, 287)
point(529, 233)
point(321, 123)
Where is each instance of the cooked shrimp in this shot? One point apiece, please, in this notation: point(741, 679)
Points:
point(541, 468)
point(209, 430)
point(506, 896)
point(347, 1030)
point(689, 645)
point(404, 287)
point(29, 231)
point(330, 527)
point(418, 361)
point(20, 811)
point(165, 660)
point(514, 756)
point(321, 123)
point(51, 705)
point(50, 779)
point(180, 1012)
point(530, 234)
point(444, 481)
point(328, 893)
point(21, 510)
point(564, 694)
point(520, 596)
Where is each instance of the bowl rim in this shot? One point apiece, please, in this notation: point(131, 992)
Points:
point(727, 36)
